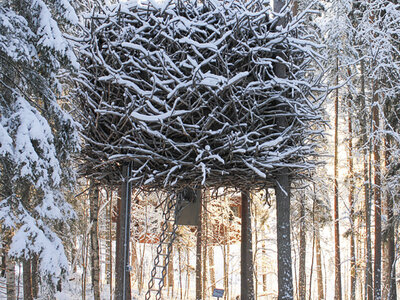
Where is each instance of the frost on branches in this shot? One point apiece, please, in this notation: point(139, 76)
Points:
point(36, 135)
point(188, 92)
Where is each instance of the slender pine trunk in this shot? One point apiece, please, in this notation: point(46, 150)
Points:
point(367, 195)
point(351, 205)
point(211, 267)
point(320, 280)
point(338, 276)
point(171, 273)
point(377, 195)
point(302, 251)
point(94, 240)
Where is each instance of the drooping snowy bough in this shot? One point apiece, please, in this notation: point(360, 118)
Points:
point(188, 92)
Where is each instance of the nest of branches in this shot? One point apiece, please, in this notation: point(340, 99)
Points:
point(190, 94)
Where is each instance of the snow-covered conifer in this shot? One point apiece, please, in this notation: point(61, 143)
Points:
point(36, 136)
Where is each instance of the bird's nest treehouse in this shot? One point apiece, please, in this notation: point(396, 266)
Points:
point(189, 94)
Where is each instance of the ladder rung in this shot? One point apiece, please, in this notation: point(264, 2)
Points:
point(158, 278)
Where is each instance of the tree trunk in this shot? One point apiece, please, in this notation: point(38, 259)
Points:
point(302, 254)
point(320, 280)
point(94, 240)
point(3, 260)
point(211, 267)
point(391, 250)
point(351, 204)
point(389, 268)
point(264, 275)
point(122, 274)
point(187, 271)
point(377, 196)
point(199, 288)
point(247, 285)
point(35, 276)
point(171, 273)
point(225, 271)
point(10, 275)
point(84, 262)
point(338, 278)
point(367, 194)
point(180, 271)
point(27, 278)
point(285, 278)
point(255, 265)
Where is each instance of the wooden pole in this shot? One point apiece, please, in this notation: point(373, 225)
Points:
point(285, 277)
point(198, 251)
point(247, 284)
point(122, 272)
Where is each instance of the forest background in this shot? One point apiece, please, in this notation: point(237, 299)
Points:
point(58, 228)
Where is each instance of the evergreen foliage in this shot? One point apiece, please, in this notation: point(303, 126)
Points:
point(36, 136)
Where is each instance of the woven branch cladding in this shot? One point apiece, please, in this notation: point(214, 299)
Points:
point(189, 93)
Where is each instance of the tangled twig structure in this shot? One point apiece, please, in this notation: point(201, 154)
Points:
point(190, 93)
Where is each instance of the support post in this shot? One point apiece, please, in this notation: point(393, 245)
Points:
point(122, 272)
point(199, 258)
point(247, 284)
point(285, 277)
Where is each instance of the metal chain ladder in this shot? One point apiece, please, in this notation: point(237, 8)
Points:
point(164, 248)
